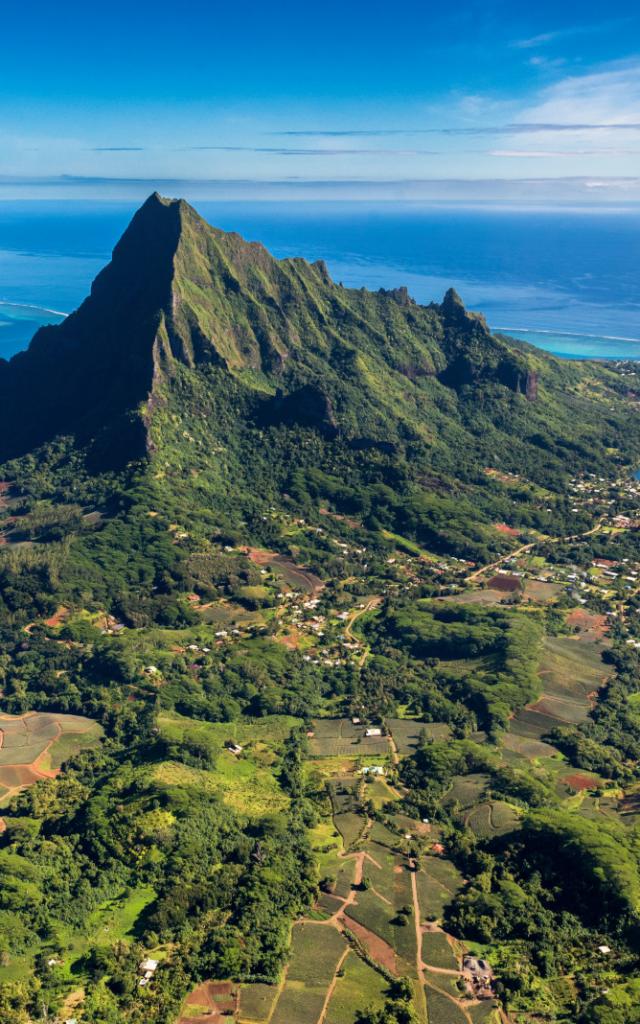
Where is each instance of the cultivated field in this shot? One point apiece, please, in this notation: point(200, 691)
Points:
point(34, 745)
point(406, 732)
point(571, 672)
point(338, 737)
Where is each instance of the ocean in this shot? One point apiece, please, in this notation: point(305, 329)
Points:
point(566, 280)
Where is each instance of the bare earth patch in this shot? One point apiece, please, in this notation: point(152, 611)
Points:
point(375, 946)
point(580, 782)
point(508, 531)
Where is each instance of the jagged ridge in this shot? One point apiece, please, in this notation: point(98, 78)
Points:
point(178, 291)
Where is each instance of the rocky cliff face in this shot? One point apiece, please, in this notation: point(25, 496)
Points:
point(179, 293)
point(474, 356)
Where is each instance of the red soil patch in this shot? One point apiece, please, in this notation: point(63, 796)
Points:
point(580, 782)
point(58, 618)
point(375, 946)
point(214, 998)
point(260, 557)
point(588, 622)
point(15, 776)
point(508, 530)
point(290, 640)
point(507, 584)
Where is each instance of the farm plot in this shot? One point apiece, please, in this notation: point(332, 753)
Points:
point(438, 882)
point(212, 1001)
point(360, 988)
point(444, 982)
point(515, 743)
point(338, 737)
point(466, 790)
point(406, 732)
point(438, 952)
point(541, 592)
point(350, 825)
point(484, 1013)
point(316, 951)
point(385, 906)
point(433, 897)
point(442, 1009)
point(344, 792)
point(572, 668)
point(571, 672)
point(33, 746)
point(375, 915)
point(492, 818)
point(256, 1001)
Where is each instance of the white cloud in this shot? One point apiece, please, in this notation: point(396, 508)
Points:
point(607, 97)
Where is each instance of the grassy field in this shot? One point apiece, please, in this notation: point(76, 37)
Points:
point(269, 732)
point(256, 1001)
point(350, 826)
point(437, 951)
point(484, 1013)
point(315, 953)
point(248, 782)
point(114, 921)
point(442, 1010)
point(360, 988)
point(246, 787)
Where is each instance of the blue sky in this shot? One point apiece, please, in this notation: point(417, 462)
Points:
point(474, 99)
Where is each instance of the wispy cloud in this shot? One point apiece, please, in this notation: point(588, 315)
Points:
point(608, 97)
point(117, 149)
point(595, 28)
point(320, 151)
point(509, 128)
point(553, 153)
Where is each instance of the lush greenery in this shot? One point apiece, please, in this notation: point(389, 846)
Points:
point(237, 432)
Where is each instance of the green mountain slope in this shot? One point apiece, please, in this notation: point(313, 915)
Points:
point(238, 507)
point(202, 353)
point(369, 367)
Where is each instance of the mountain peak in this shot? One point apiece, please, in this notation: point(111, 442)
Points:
point(452, 303)
point(179, 293)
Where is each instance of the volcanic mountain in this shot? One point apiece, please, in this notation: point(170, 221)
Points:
point(193, 333)
point(181, 293)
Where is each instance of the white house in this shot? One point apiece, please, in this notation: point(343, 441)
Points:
point(149, 965)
